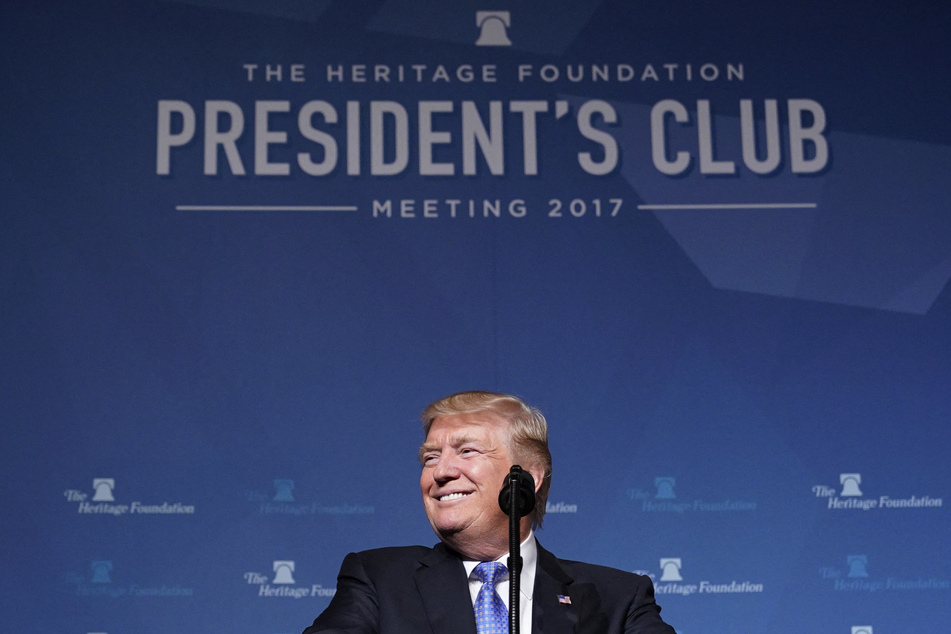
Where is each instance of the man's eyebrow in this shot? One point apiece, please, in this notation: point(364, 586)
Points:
point(463, 439)
point(454, 441)
point(426, 448)
point(422, 450)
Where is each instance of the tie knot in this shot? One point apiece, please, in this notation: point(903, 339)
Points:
point(490, 572)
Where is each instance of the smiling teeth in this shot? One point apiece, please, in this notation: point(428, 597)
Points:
point(452, 496)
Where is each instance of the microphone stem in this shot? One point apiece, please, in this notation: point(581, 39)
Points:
point(515, 558)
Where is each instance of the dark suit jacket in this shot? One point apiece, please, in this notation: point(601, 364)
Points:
point(419, 590)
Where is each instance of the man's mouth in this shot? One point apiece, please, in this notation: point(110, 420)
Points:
point(452, 496)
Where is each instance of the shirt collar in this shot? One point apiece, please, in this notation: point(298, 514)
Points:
point(529, 552)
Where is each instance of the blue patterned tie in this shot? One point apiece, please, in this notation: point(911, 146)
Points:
point(490, 612)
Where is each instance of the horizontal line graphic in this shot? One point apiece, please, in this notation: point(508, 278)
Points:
point(265, 208)
point(730, 206)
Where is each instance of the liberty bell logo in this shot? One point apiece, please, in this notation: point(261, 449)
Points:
point(857, 566)
point(665, 488)
point(283, 572)
point(492, 28)
point(103, 489)
point(100, 571)
point(283, 490)
point(850, 484)
point(670, 569)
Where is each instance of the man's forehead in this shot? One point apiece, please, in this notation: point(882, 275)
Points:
point(460, 427)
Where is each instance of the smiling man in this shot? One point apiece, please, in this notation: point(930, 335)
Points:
point(461, 585)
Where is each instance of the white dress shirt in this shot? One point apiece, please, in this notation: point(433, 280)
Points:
point(529, 552)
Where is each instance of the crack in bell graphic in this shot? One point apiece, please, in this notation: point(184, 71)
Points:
point(282, 572)
point(493, 25)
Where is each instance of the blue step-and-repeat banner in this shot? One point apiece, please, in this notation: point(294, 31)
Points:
point(244, 243)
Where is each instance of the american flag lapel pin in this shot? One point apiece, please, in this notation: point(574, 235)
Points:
point(564, 599)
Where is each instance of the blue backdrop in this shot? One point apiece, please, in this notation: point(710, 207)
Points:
point(243, 244)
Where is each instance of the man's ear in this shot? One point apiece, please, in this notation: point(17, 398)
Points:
point(537, 473)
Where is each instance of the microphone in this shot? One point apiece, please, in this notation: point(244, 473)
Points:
point(517, 499)
point(521, 484)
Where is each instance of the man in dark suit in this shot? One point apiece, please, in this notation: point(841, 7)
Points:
point(472, 439)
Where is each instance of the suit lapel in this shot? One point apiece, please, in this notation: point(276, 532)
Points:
point(442, 585)
point(549, 614)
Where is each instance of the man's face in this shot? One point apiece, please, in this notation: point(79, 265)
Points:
point(465, 459)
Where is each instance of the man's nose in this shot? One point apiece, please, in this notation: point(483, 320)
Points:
point(446, 469)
